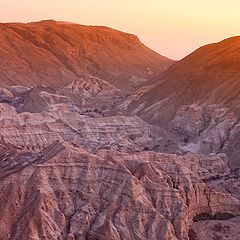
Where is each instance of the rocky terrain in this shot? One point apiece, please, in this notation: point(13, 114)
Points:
point(95, 144)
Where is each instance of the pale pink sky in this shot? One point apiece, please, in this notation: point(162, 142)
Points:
point(173, 28)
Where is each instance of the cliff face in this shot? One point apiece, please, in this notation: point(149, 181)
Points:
point(55, 54)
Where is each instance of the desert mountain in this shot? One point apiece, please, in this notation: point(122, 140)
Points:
point(197, 99)
point(74, 166)
point(54, 54)
point(211, 74)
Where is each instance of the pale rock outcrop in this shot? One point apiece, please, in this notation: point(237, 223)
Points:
point(63, 122)
point(207, 129)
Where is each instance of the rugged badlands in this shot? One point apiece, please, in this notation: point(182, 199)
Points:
point(102, 138)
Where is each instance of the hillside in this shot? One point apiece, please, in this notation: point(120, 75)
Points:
point(210, 74)
point(55, 54)
point(197, 99)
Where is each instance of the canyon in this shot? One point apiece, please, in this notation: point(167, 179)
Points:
point(103, 138)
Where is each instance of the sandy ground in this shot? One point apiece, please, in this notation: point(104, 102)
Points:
point(211, 230)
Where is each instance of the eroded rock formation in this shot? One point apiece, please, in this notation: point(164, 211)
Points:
point(92, 148)
point(107, 195)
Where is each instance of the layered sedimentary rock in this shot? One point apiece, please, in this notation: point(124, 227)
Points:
point(34, 131)
point(107, 195)
point(61, 182)
point(92, 148)
point(208, 129)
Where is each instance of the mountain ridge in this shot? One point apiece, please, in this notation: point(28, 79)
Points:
point(54, 53)
point(201, 76)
